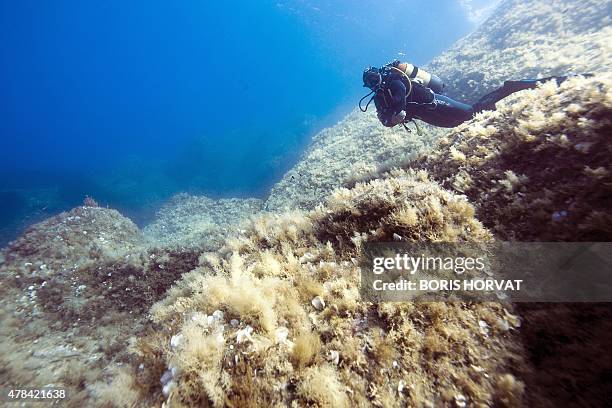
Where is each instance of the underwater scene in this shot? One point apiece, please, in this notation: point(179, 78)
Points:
point(254, 204)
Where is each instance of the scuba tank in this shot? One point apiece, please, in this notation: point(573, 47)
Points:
point(421, 76)
point(431, 81)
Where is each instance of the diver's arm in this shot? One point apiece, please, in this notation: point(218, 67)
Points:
point(391, 103)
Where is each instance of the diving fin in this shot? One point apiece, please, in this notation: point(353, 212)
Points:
point(488, 101)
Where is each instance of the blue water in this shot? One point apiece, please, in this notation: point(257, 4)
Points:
point(132, 101)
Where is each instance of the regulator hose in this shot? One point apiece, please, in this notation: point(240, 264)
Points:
point(368, 104)
point(407, 77)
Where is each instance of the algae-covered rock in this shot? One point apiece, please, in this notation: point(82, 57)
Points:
point(539, 167)
point(355, 147)
point(81, 258)
point(527, 39)
point(71, 238)
point(76, 287)
point(73, 290)
point(274, 344)
point(198, 222)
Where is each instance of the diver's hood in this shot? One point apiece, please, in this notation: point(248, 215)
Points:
point(371, 77)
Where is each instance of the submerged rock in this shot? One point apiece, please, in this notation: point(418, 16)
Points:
point(535, 169)
point(198, 222)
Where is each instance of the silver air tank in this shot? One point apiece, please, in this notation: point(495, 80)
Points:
point(423, 77)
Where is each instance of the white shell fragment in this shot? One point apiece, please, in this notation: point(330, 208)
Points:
point(174, 370)
point(460, 401)
point(176, 340)
point(583, 147)
point(217, 315)
point(334, 356)
point(503, 325)
point(234, 322)
point(307, 257)
point(514, 320)
point(318, 303)
point(484, 327)
point(313, 318)
point(199, 318)
point(281, 334)
point(168, 388)
point(558, 216)
point(476, 368)
point(166, 377)
point(243, 335)
point(401, 385)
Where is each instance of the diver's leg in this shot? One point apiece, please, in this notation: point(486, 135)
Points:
point(514, 86)
point(488, 101)
point(445, 112)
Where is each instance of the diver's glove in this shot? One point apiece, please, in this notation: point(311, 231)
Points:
point(399, 118)
point(396, 119)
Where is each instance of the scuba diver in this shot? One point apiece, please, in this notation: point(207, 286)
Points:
point(403, 92)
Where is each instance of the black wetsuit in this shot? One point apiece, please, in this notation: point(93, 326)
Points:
point(438, 110)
